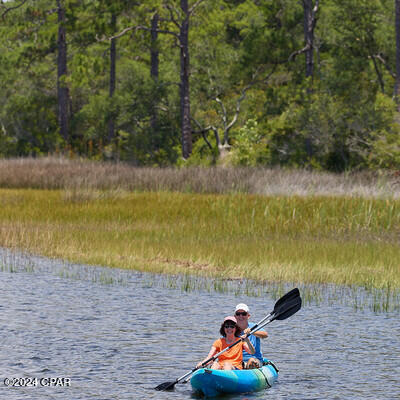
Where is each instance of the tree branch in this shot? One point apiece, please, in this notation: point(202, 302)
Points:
point(315, 9)
point(379, 75)
point(172, 17)
point(385, 64)
point(243, 95)
point(8, 9)
point(298, 52)
point(194, 6)
point(313, 15)
point(218, 100)
point(203, 132)
point(135, 28)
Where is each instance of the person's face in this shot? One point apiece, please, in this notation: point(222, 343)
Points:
point(229, 327)
point(242, 317)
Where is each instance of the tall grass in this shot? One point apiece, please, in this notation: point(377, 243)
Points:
point(82, 178)
point(315, 239)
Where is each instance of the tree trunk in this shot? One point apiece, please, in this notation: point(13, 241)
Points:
point(397, 83)
point(62, 89)
point(113, 52)
point(184, 83)
point(154, 47)
point(309, 36)
point(154, 68)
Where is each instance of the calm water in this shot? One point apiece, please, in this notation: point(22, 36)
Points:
point(116, 335)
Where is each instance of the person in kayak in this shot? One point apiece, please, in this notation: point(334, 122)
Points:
point(232, 358)
point(242, 314)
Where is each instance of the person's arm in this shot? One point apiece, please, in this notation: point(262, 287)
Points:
point(212, 352)
point(259, 334)
point(248, 346)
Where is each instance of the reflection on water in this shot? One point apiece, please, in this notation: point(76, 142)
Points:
point(117, 334)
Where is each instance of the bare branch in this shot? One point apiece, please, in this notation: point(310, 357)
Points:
point(52, 11)
point(135, 28)
point(378, 74)
point(253, 82)
point(218, 100)
point(296, 53)
point(203, 132)
point(315, 9)
point(8, 9)
point(163, 31)
point(243, 95)
point(313, 15)
point(194, 6)
point(385, 64)
point(238, 104)
point(171, 14)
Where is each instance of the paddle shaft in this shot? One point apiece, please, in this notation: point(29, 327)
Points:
point(258, 326)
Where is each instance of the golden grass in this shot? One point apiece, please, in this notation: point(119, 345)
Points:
point(82, 177)
point(313, 239)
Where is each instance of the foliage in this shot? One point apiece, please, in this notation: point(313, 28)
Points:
point(341, 118)
point(249, 148)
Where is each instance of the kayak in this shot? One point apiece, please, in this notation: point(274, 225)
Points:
point(214, 382)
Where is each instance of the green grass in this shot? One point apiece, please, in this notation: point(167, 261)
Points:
point(341, 240)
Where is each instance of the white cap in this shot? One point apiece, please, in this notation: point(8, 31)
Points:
point(243, 307)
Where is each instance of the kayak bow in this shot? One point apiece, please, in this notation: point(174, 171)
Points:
point(213, 382)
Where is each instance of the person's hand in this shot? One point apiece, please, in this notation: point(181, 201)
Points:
point(200, 364)
point(246, 333)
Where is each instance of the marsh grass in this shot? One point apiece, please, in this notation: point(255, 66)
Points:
point(86, 179)
point(15, 263)
point(314, 240)
point(102, 277)
point(377, 300)
point(239, 225)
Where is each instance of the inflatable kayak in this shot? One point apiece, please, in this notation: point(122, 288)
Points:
point(213, 382)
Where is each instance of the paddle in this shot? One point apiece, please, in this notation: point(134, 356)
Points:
point(286, 306)
point(282, 302)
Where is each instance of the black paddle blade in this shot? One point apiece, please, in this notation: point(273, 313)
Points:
point(287, 297)
point(288, 309)
point(165, 386)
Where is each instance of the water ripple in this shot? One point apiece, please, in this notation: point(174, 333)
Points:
point(119, 340)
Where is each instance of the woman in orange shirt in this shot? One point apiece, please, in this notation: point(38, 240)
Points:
point(232, 358)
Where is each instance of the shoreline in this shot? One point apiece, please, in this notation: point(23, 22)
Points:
point(360, 298)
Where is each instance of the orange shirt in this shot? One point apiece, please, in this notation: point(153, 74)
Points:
point(233, 355)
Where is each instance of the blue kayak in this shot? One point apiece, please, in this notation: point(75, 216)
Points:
point(213, 382)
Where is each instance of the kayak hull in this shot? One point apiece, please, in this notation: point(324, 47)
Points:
point(212, 382)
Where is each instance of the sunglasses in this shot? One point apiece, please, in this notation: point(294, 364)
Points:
point(241, 313)
point(229, 326)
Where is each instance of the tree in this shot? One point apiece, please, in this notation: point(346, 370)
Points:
point(184, 81)
point(180, 18)
point(310, 21)
point(176, 20)
point(29, 95)
point(154, 65)
point(145, 81)
point(397, 24)
point(113, 61)
point(62, 88)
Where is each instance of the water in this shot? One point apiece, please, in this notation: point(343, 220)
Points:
point(116, 335)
